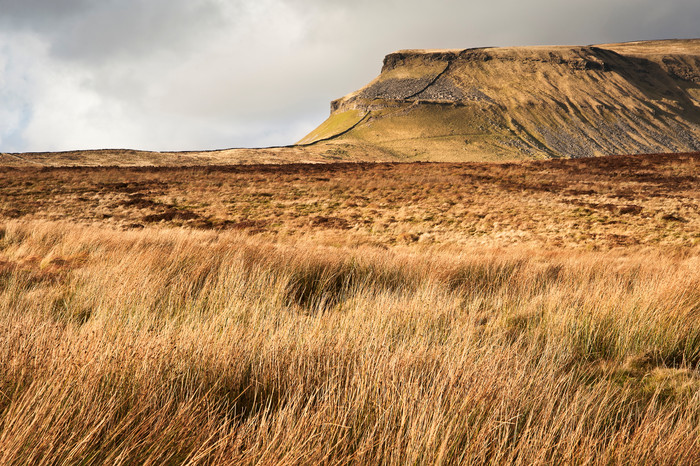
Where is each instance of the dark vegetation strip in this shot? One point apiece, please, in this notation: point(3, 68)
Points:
point(606, 163)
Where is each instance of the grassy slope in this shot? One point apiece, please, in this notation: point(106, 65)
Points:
point(132, 158)
point(335, 124)
point(434, 133)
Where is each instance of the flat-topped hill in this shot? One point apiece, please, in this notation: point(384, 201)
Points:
point(525, 102)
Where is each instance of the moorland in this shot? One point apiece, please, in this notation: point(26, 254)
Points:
point(540, 312)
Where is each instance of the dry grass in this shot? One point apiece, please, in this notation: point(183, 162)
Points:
point(190, 340)
point(178, 346)
point(135, 158)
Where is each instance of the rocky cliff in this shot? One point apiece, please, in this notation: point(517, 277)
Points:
point(524, 102)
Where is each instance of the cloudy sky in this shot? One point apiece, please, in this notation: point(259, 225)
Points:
point(205, 74)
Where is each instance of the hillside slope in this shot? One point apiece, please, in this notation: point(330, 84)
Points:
point(524, 102)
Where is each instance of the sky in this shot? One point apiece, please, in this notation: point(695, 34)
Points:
point(209, 74)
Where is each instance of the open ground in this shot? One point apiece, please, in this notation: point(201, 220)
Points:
point(524, 313)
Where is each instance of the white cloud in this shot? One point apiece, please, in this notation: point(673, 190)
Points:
point(18, 55)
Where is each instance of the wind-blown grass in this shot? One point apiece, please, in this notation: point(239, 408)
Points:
point(174, 346)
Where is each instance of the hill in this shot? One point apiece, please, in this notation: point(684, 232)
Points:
point(524, 102)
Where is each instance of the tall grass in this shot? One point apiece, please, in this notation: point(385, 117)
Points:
point(176, 346)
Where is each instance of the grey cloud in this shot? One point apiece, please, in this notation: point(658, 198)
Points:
point(39, 12)
point(97, 31)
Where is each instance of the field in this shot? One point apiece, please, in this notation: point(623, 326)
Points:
point(595, 203)
point(525, 313)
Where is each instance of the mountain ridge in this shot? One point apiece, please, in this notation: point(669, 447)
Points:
point(525, 102)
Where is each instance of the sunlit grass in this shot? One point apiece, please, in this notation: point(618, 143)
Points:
point(169, 345)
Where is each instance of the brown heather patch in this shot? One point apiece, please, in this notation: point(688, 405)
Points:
point(652, 200)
